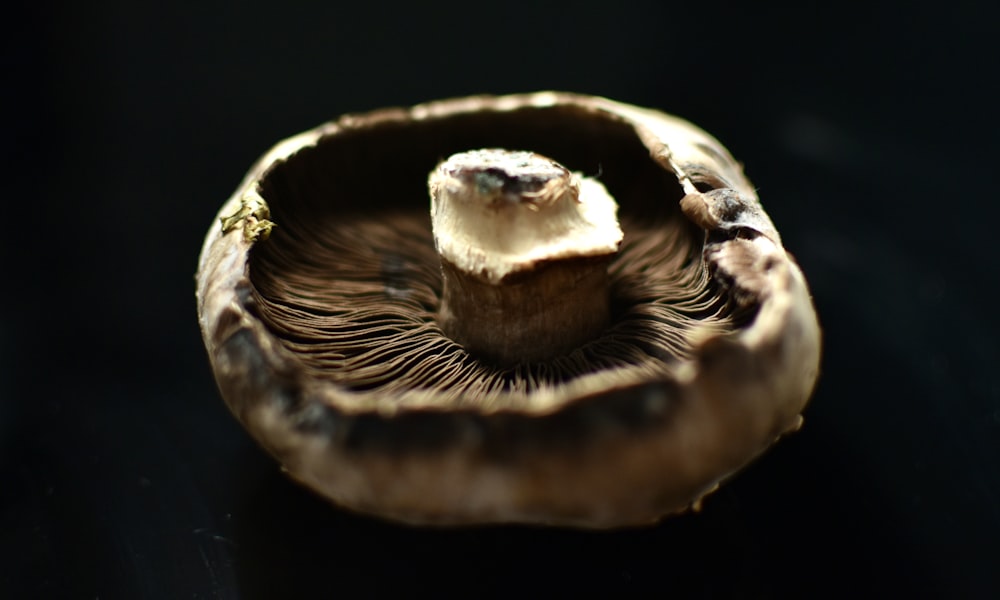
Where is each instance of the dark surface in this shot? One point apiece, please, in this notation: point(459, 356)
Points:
point(872, 139)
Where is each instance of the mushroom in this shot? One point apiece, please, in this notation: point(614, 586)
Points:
point(595, 342)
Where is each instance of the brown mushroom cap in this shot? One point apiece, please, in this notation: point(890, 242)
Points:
point(325, 344)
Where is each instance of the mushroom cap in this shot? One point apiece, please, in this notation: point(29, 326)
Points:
point(323, 342)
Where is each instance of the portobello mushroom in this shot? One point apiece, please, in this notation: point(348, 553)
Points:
point(594, 325)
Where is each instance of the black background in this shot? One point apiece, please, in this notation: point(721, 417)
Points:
point(870, 133)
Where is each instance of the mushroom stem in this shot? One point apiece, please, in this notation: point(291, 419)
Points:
point(525, 246)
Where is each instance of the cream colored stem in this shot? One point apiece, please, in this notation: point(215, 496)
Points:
point(524, 246)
